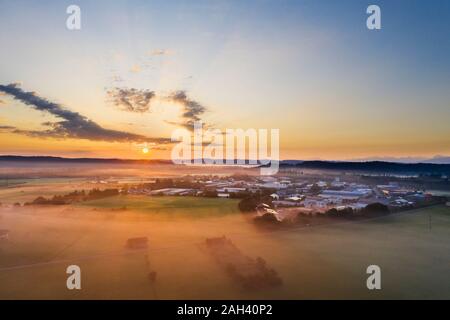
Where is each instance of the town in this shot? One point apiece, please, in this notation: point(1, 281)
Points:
point(292, 193)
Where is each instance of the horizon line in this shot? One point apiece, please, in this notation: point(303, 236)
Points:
point(30, 157)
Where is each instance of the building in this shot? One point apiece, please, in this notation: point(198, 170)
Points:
point(295, 198)
point(275, 196)
point(231, 190)
point(315, 202)
point(223, 195)
point(285, 203)
point(345, 195)
point(273, 185)
point(171, 192)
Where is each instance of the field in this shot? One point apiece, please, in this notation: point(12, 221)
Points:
point(26, 190)
point(166, 205)
point(317, 262)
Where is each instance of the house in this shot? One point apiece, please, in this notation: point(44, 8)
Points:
point(231, 190)
point(347, 195)
point(4, 235)
point(285, 203)
point(295, 198)
point(400, 202)
point(171, 191)
point(273, 185)
point(315, 202)
point(223, 195)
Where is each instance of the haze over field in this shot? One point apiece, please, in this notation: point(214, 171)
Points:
point(313, 262)
point(322, 262)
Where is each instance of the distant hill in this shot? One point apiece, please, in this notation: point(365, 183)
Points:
point(79, 160)
point(438, 160)
point(377, 166)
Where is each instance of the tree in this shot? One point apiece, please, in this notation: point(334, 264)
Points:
point(375, 209)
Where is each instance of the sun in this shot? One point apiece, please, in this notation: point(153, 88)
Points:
point(145, 150)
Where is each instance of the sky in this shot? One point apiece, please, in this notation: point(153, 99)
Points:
point(138, 70)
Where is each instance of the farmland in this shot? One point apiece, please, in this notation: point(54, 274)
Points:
point(316, 262)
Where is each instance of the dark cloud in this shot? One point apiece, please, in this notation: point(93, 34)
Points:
point(131, 99)
point(134, 100)
point(73, 124)
point(192, 110)
point(6, 127)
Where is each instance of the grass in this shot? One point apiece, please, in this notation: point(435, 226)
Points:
point(196, 206)
point(26, 190)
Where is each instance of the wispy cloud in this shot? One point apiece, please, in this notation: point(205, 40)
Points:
point(131, 99)
point(137, 100)
point(2, 127)
point(73, 124)
point(192, 110)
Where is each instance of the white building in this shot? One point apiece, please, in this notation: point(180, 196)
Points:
point(315, 202)
point(223, 195)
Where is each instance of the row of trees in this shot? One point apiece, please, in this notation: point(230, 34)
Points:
point(370, 211)
point(251, 201)
point(75, 196)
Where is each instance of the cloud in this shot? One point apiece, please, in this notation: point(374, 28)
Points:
point(191, 109)
point(6, 127)
point(73, 124)
point(131, 99)
point(135, 100)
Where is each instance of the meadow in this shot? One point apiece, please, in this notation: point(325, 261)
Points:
point(166, 205)
point(314, 263)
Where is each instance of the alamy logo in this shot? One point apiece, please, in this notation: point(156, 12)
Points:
point(234, 146)
point(374, 20)
point(73, 21)
point(74, 280)
point(374, 280)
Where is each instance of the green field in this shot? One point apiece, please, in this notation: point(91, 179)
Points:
point(166, 205)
